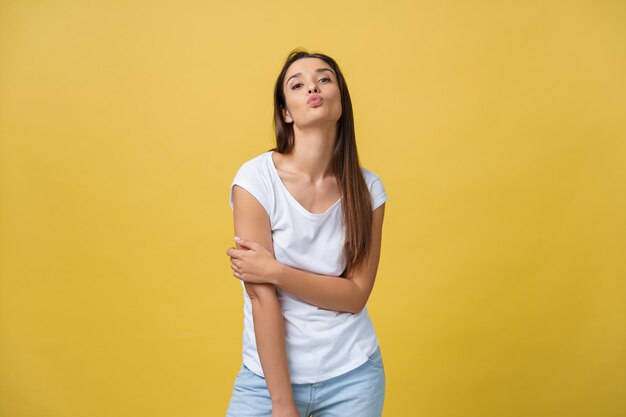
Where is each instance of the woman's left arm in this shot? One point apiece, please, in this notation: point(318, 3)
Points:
point(348, 294)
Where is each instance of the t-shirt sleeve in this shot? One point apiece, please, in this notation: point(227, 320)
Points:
point(377, 191)
point(250, 179)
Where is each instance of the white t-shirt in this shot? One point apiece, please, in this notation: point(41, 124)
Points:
point(320, 343)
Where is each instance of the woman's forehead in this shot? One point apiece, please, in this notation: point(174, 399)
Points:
point(304, 64)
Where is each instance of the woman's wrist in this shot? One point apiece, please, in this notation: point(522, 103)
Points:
point(275, 277)
point(285, 401)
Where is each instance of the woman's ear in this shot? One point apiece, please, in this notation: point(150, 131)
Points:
point(286, 116)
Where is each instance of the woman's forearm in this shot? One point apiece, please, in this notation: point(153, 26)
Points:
point(324, 291)
point(269, 330)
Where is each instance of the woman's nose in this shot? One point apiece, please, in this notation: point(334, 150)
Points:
point(313, 88)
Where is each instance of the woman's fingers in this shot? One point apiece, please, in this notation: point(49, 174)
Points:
point(236, 271)
point(236, 253)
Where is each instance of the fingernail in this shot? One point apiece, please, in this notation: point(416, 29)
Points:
point(237, 238)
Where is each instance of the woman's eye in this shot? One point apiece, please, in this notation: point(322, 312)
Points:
point(293, 87)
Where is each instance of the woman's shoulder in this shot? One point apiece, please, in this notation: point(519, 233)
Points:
point(369, 175)
point(253, 175)
point(257, 165)
point(375, 186)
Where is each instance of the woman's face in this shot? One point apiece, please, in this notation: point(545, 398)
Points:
point(311, 93)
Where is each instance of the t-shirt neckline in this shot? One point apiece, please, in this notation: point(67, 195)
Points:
point(290, 196)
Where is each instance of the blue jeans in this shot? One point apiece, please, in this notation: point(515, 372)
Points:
point(359, 392)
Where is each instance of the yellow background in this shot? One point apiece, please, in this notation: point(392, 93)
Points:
point(496, 127)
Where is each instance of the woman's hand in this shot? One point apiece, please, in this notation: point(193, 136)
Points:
point(290, 411)
point(256, 264)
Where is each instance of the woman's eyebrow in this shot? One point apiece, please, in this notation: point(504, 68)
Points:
point(317, 70)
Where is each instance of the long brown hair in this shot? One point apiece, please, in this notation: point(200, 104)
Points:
point(355, 197)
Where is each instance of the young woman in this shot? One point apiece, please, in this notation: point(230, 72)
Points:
point(308, 225)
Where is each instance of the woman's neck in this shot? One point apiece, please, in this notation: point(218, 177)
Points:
point(312, 153)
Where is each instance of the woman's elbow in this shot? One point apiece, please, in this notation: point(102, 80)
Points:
point(359, 303)
point(356, 309)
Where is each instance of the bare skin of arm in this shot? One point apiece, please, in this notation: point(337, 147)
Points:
point(348, 294)
point(251, 219)
point(332, 293)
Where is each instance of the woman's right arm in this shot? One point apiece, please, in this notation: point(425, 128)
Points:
point(251, 219)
